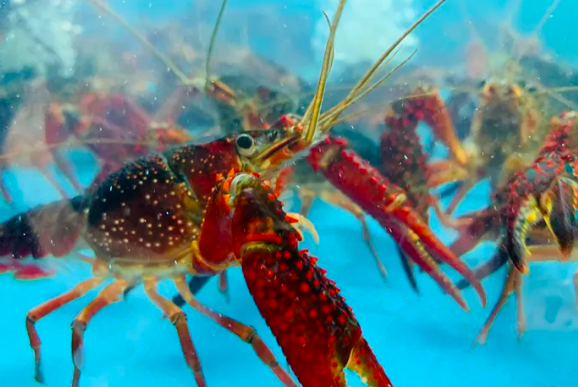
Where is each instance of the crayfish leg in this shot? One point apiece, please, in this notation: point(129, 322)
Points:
point(36, 314)
point(244, 332)
point(508, 288)
point(339, 200)
point(6, 194)
point(196, 283)
point(52, 180)
point(575, 280)
point(110, 294)
point(307, 198)
point(178, 318)
point(499, 259)
point(64, 166)
point(224, 286)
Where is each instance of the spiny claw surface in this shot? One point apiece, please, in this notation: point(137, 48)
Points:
point(313, 325)
point(377, 196)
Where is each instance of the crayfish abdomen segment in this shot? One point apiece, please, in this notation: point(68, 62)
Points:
point(50, 229)
point(140, 213)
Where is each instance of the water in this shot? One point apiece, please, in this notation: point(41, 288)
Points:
point(423, 339)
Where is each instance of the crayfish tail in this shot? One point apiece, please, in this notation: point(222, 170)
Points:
point(50, 229)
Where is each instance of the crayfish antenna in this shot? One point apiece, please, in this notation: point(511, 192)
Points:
point(334, 113)
point(212, 44)
point(104, 7)
point(314, 108)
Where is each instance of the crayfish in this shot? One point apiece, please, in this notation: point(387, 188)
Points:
point(532, 216)
point(203, 208)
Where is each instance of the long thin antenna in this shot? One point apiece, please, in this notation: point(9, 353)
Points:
point(543, 20)
point(212, 43)
point(371, 72)
point(104, 7)
point(315, 106)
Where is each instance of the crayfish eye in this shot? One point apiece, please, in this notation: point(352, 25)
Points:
point(246, 145)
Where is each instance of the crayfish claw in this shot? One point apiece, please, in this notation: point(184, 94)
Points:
point(313, 325)
point(411, 244)
point(388, 205)
point(519, 218)
point(407, 265)
point(364, 363)
point(561, 216)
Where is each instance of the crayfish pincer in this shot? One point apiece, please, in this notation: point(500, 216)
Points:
point(313, 325)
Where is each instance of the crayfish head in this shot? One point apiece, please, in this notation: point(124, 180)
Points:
point(263, 150)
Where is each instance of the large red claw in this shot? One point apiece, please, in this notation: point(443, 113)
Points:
point(384, 201)
point(313, 325)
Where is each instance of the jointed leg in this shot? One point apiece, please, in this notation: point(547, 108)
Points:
point(43, 310)
point(244, 332)
point(521, 317)
point(66, 169)
point(4, 191)
point(107, 296)
point(445, 219)
point(340, 201)
point(506, 291)
point(178, 318)
point(576, 285)
point(307, 198)
point(223, 285)
point(50, 177)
